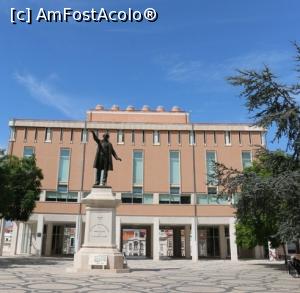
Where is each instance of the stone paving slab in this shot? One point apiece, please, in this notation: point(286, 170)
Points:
point(43, 275)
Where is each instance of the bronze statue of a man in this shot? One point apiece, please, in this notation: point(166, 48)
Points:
point(103, 158)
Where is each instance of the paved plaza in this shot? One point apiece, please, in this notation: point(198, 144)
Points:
point(21, 274)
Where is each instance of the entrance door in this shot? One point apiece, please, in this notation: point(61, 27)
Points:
point(208, 241)
point(63, 240)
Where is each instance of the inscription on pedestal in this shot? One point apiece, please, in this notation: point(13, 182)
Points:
point(99, 230)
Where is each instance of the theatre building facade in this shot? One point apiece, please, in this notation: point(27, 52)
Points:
point(167, 210)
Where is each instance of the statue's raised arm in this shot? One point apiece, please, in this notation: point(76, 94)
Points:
point(96, 139)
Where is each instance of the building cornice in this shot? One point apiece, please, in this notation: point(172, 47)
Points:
point(135, 126)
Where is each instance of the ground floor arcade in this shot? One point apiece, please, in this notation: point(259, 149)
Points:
point(136, 236)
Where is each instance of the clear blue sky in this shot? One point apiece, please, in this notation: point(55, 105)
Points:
point(57, 71)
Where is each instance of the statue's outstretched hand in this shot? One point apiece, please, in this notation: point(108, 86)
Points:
point(119, 159)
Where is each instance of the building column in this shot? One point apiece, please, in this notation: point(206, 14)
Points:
point(187, 234)
point(14, 238)
point(155, 241)
point(49, 236)
point(78, 233)
point(223, 242)
point(39, 234)
point(2, 230)
point(118, 233)
point(195, 251)
point(232, 235)
point(20, 238)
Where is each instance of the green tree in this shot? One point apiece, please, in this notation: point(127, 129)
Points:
point(20, 182)
point(268, 207)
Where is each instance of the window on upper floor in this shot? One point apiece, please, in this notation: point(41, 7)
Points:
point(61, 135)
point(179, 137)
point(250, 137)
point(169, 137)
point(215, 137)
point(71, 136)
point(174, 158)
point(143, 137)
point(192, 137)
point(240, 137)
point(211, 158)
point(84, 135)
point(48, 134)
point(227, 138)
point(132, 136)
point(246, 159)
point(138, 168)
point(204, 137)
point(64, 166)
point(156, 137)
point(120, 137)
point(137, 197)
point(25, 134)
point(28, 151)
point(35, 135)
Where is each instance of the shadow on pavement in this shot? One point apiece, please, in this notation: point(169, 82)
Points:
point(17, 262)
point(151, 270)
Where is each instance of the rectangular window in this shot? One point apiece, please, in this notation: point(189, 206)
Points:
point(64, 165)
point(84, 135)
point(71, 136)
point(164, 198)
point(61, 136)
point(169, 137)
point(25, 134)
point(212, 190)
point(204, 137)
point(143, 137)
point(179, 137)
point(250, 137)
point(28, 151)
point(48, 134)
point(227, 138)
point(133, 137)
point(215, 138)
point(246, 159)
point(192, 137)
point(240, 137)
point(185, 199)
point(137, 195)
point(120, 136)
point(156, 137)
point(210, 167)
point(148, 198)
point(138, 168)
point(35, 135)
point(175, 190)
point(174, 169)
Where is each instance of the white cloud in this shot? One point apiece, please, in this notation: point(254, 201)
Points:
point(45, 94)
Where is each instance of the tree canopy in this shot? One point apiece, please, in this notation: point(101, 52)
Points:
point(268, 206)
point(20, 182)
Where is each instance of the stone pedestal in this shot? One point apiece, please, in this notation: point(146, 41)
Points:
point(100, 234)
